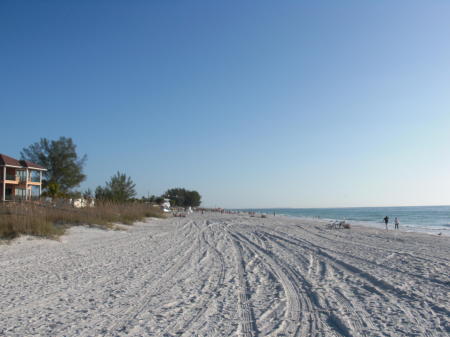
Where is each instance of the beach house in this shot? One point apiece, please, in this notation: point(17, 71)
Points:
point(19, 179)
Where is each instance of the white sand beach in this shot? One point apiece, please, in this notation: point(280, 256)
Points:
point(226, 275)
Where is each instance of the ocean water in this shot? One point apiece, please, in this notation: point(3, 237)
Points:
point(428, 219)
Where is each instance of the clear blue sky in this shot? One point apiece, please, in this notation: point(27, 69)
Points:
point(252, 103)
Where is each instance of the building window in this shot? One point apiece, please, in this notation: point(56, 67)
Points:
point(35, 176)
point(21, 193)
point(35, 191)
point(22, 175)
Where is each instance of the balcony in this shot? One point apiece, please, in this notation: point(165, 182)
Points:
point(10, 197)
point(10, 178)
point(18, 198)
point(20, 177)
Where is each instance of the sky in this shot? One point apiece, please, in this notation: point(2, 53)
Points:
point(251, 103)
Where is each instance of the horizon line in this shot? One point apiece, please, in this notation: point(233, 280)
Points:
point(341, 207)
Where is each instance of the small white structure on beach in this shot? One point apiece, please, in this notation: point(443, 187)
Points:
point(166, 205)
point(82, 202)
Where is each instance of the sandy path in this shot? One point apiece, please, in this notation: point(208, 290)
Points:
point(227, 275)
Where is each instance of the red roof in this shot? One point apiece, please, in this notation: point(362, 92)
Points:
point(9, 161)
point(29, 164)
point(6, 160)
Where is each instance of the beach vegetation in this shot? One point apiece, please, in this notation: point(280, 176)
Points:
point(52, 219)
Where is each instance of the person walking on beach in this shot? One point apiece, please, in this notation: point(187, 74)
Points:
point(396, 222)
point(386, 220)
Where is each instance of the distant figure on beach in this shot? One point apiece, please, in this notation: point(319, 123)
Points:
point(386, 220)
point(396, 222)
point(273, 213)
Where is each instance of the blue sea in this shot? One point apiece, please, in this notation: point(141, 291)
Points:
point(428, 219)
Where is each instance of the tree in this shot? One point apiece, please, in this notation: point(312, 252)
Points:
point(101, 193)
point(119, 188)
point(150, 198)
point(60, 158)
point(53, 190)
point(88, 195)
point(183, 198)
point(192, 198)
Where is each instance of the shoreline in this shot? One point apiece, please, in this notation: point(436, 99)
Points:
point(430, 230)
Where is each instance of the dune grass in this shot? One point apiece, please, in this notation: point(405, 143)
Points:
point(51, 220)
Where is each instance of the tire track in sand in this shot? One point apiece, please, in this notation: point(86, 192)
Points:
point(181, 327)
point(247, 320)
point(300, 318)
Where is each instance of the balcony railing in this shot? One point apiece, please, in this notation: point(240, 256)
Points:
point(10, 197)
point(11, 177)
point(21, 178)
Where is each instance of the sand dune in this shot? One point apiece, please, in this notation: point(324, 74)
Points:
point(227, 275)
